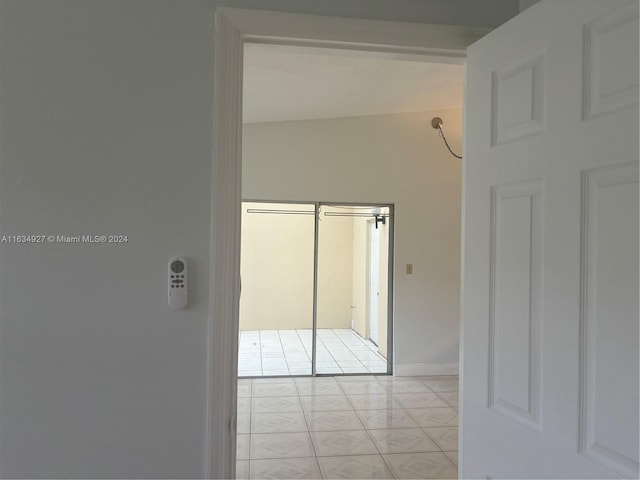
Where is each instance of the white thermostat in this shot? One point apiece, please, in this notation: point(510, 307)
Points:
point(177, 276)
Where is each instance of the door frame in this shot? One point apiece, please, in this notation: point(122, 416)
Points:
point(232, 28)
point(390, 282)
point(390, 268)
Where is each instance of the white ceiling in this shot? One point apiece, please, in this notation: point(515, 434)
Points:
point(293, 83)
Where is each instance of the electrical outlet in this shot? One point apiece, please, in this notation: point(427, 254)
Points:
point(409, 268)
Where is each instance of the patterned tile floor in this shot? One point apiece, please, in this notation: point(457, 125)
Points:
point(288, 352)
point(348, 427)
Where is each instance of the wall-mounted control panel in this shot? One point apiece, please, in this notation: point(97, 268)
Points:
point(178, 283)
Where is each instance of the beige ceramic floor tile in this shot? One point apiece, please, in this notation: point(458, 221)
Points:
point(403, 440)
point(357, 467)
point(330, 421)
point(351, 442)
point(275, 404)
point(453, 456)
point(244, 423)
point(275, 389)
point(285, 468)
point(242, 470)
point(430, 465)
point(434, 417)
point(420, 400)
point(396, 418)
point(445, 437)
point(242, 447)
point(376, 401)
point(325, 403)
point(280, 422)
point(281, 445)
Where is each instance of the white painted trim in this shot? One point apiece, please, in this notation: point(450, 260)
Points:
point(588, 445)
point(405, 40)
point(232, 28)
point(421, 369)
point(461, 358)
point(222, 348)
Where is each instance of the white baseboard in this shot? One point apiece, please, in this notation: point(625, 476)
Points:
point(418, 369)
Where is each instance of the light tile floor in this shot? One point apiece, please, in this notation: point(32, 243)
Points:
point(347, 427)
point(288, 352)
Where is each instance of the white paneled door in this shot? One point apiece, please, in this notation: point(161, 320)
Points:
point(550, 351)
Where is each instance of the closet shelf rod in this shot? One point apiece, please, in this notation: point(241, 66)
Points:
point(280, 212)
point(370, 215)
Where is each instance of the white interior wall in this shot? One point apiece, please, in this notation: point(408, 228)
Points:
point(105, 129)
point(105, 114)
point(276, 267)
point(335, 271)
point(360, 277)
point(524, 4)
point(383, 297)
point(360, 299)
point(277, 258)
point(395, 159)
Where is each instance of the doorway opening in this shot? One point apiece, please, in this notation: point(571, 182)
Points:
point(236, 30)
point(316, 296)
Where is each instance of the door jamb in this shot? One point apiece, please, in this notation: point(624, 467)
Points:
point(232, 28)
